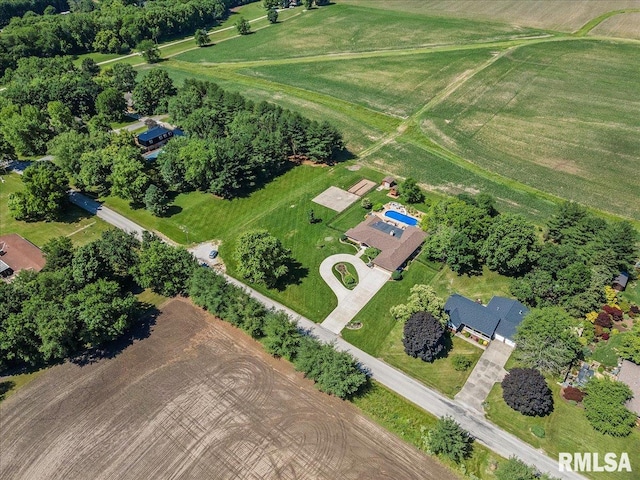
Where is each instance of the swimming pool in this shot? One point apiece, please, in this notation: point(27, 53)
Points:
point(401, 217)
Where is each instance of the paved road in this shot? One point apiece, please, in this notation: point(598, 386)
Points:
point(106, 214)
point(350, 302)
point(485, 432)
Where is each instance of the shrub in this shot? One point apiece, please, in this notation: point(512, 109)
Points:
point(448, 439)
point(396, 275)
point(371, 252)
point(615, 312)
point(461, 362)
point(366, 203)
point(604, 320)
point(466, 334)
point(572, 393)
point(349, 281)
point(605, 336)
point(604, 407)
point(526, 391)
point(538, 431)
point(378, 207)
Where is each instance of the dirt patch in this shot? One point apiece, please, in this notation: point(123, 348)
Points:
point(197, 399)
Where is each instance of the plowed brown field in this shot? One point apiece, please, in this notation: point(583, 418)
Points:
point(197, 399)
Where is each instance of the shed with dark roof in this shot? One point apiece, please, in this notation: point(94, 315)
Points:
point(620, 282)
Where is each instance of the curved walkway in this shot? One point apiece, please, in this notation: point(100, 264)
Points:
point(350, 302)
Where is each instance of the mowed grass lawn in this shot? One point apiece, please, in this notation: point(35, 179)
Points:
point(281, 207)
point(344, 28)
point(562, 117)
point(80, 226)
point(566, 430)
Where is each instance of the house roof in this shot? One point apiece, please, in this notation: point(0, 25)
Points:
point(463, 311)
point(510, 312)
point(21, 254)
point(395, 244)
point(152, 133)
point(501, 315)
point(4, 267)
point(630, 374)
point(389, 179)
point(621, 279)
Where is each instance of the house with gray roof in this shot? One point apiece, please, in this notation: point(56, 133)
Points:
point(498, 320)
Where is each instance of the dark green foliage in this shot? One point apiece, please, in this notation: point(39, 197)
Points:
point(282, 335)
point(201, 37)
point(111, 104)
point(366, 203)
point(44, 194)
point(262, 258)
point(511, 247)
point(243, 26)
point(89, 264)
point(461, 362)
point(120, 252)
point(516, 469)
point(423, 337)
point(152, 93)
point(26, 129)
point(526, 391)
point(156, 201)
point(410, 191)
point(604, 407)
point(112, 28)
point(272, 15)
point(123, 77)
point(546, 340)
point(396, 275)
point(58, 252)
point(164, 269)
point(448, 439)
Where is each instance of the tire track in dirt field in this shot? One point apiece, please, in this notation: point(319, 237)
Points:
point(197, 399)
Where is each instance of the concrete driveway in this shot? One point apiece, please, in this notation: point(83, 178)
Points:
point(488, 370)
point(350, 302)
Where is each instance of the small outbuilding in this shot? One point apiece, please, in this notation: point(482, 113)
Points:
point(154, 137)
point(388, 182)
point(620, 282)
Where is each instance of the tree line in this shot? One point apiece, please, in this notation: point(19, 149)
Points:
point(111, 26)
point(231, 147)
point(17, 8)
point(83, 297)
point(567, 266)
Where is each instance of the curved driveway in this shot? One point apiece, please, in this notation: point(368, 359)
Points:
point(350, 302)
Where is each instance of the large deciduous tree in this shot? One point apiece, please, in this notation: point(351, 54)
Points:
point(526, 391)
point(604, 407)
point(262, 258)
point(111, 104)
point(152, 93)
point(410, 191)
point(512, 247)
point(243, 26)
point(44, 194)
point(546, 340)
point(163, 268)
point(149, 51)
point(422, 298)
point(423, 337)
point(201, 37)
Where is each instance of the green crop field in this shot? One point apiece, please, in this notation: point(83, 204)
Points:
point(343, 28)
point(562, 117)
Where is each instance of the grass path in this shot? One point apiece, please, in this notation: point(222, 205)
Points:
point(594, 22)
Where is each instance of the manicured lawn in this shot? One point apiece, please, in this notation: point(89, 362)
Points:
point(438, 374)
point(80, 226)
point(489, 284)
point(605, 351)
point(376, 320)
point(566, 430)
point(281, 207)
point(406, 420)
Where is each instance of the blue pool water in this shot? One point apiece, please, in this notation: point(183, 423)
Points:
point(401, 217)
